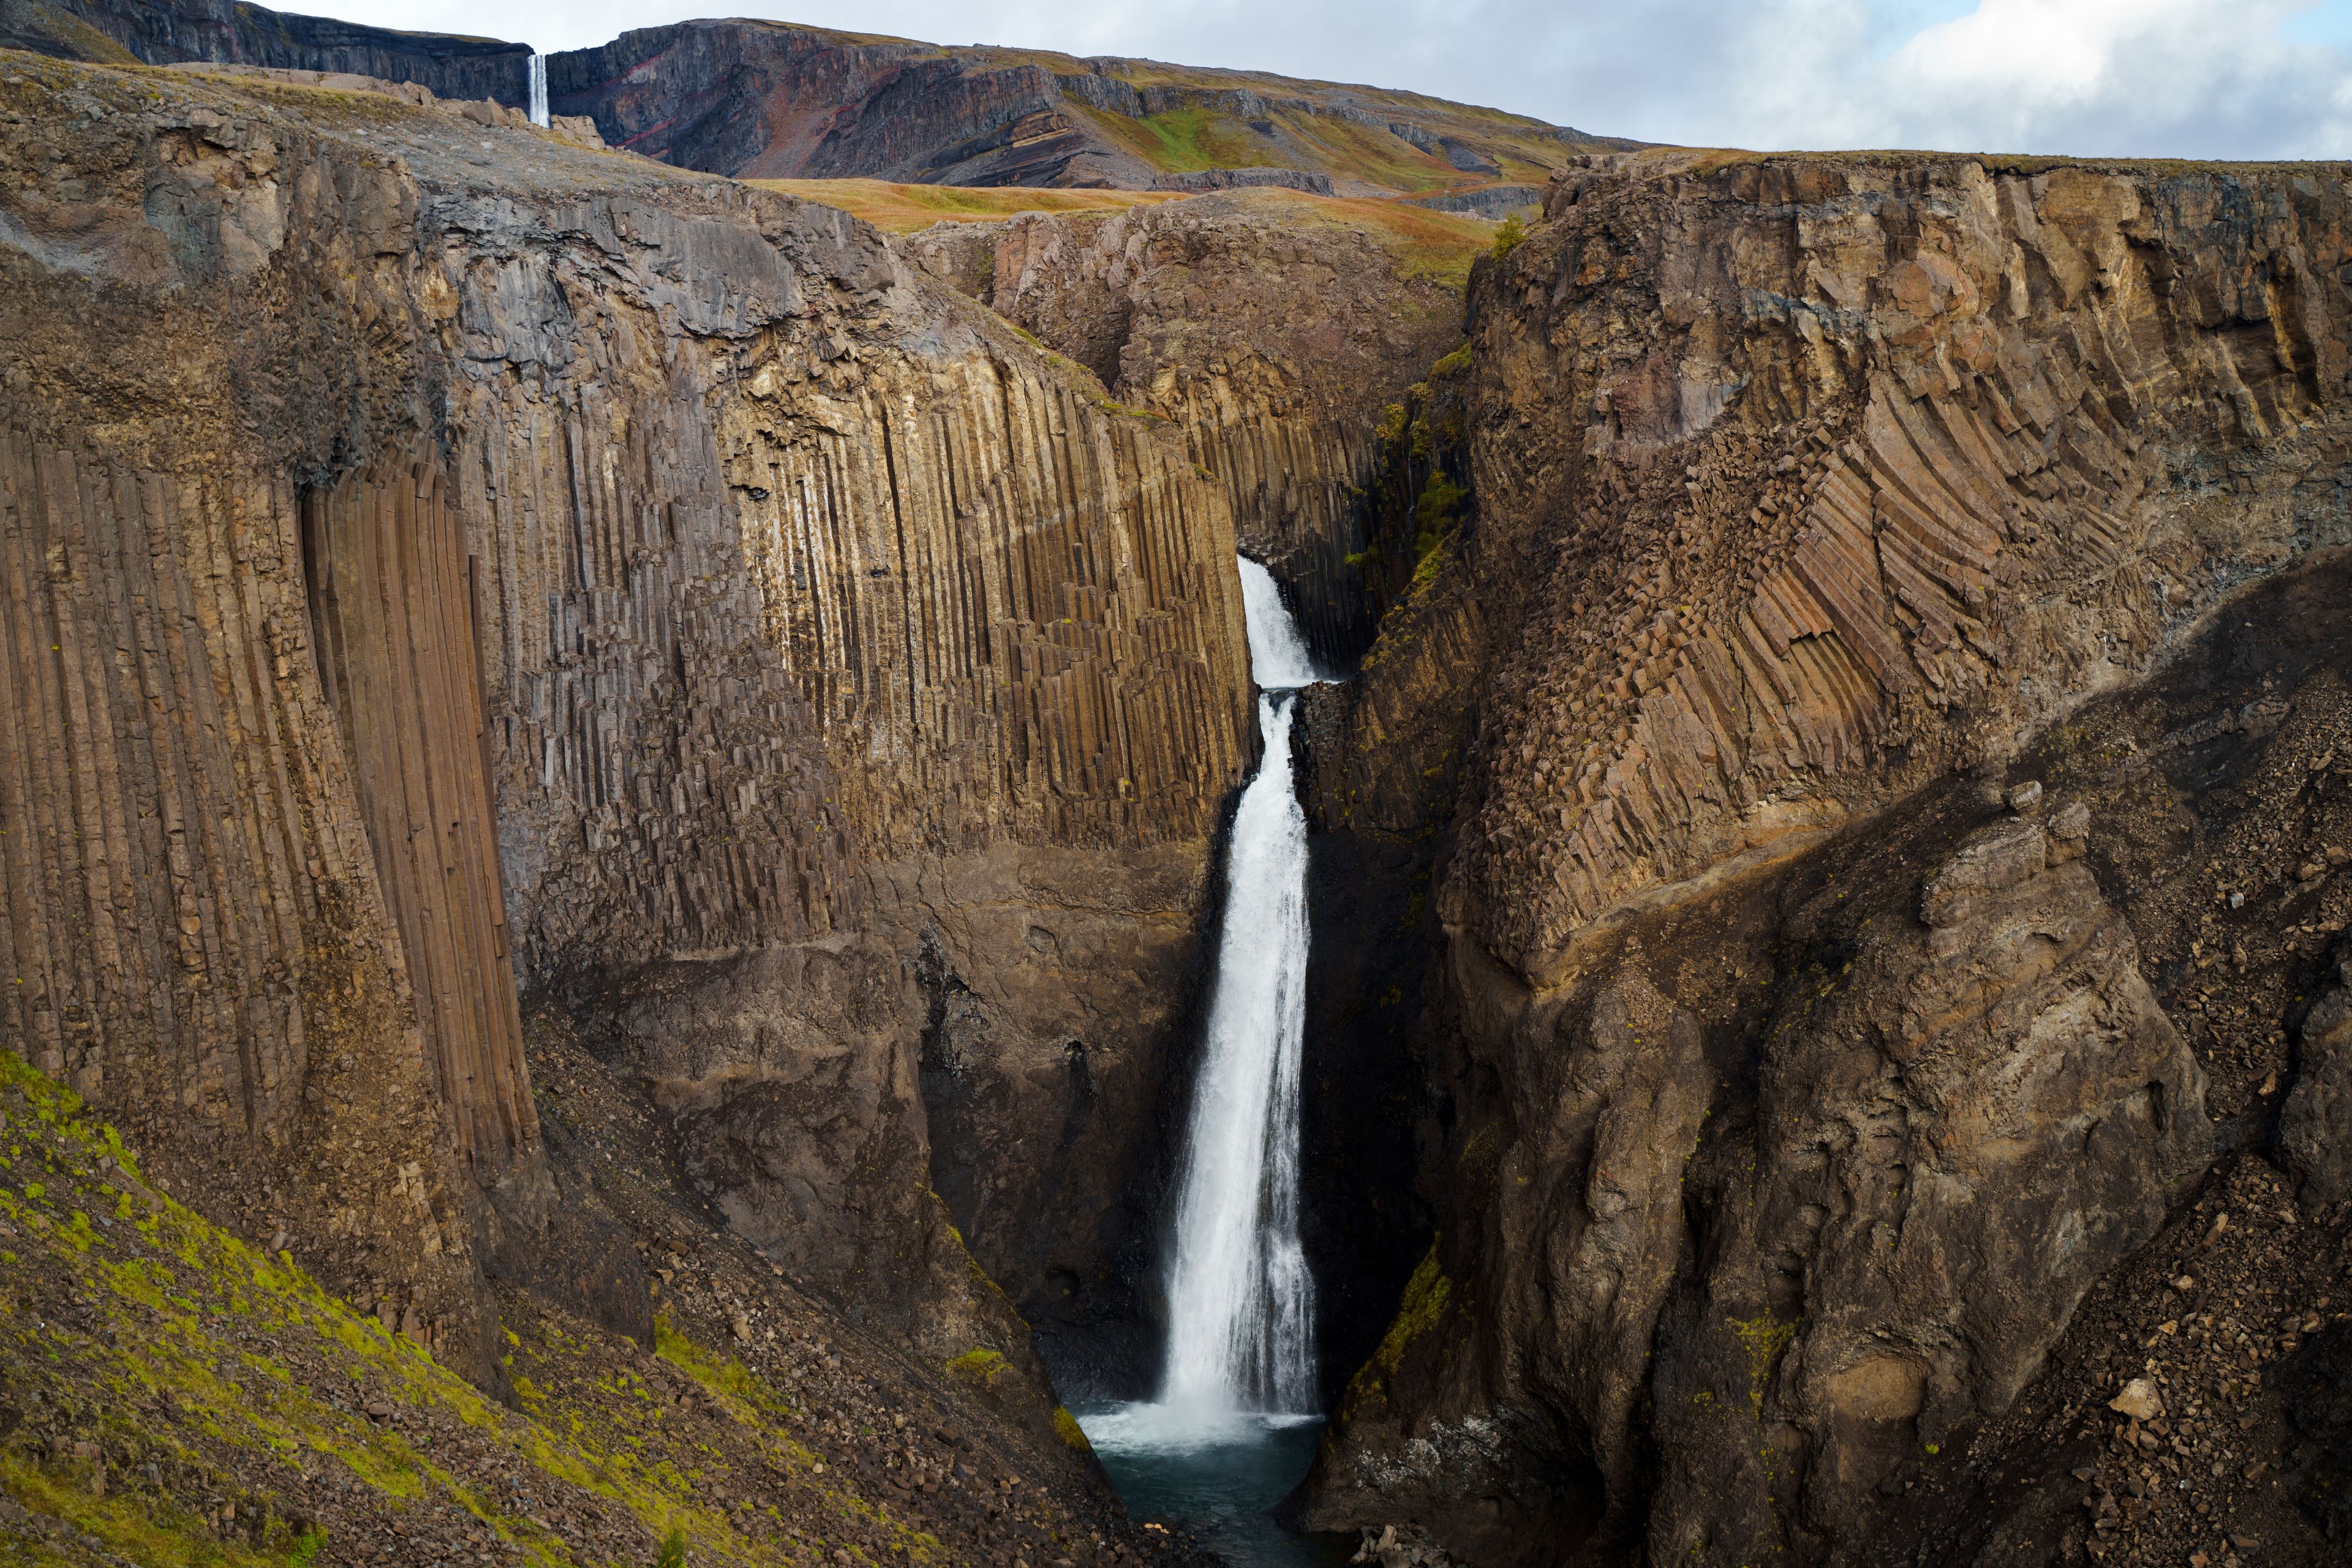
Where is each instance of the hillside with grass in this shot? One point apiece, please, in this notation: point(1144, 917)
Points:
point(774, 100)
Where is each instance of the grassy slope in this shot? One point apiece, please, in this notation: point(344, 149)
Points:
point(900, 209)
point(1425, 243)
point(175, 1397)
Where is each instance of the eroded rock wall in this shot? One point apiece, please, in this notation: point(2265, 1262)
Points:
point(1803, 485)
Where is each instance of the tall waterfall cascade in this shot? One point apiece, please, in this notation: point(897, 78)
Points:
point(1239, 1298)
point(539, 89)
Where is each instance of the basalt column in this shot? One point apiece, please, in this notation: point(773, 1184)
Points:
point(193, 931)
point(393, 607)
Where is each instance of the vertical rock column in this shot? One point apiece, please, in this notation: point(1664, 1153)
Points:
point(192, 931)
point(393, 603)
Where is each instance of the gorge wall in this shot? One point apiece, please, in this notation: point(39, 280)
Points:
point(1769, 1047)
point(1273, 332)
point(625, 589)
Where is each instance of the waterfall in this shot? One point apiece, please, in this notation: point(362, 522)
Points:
point(539, 89)
point(1278, 657)
point(1240, 1304)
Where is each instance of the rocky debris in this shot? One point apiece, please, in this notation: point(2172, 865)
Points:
point(1199, 180)
point(1410, 1546)
point(286, 1425)
point(2192, 1408)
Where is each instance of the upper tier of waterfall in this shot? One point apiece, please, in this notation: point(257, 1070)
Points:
point(1278, 658)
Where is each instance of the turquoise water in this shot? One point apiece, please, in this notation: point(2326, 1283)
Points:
point(1217, 1476)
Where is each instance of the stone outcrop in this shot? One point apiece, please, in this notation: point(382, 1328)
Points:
point(1495, 202)
point(1199, 180)
point(1802, 484)
point(2315, 1124)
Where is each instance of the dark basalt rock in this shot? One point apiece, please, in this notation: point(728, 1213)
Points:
point(227, 32)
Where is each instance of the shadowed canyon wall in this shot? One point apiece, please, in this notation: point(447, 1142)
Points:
point(1803, 486)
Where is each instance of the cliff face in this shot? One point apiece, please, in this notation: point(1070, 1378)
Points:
point(773, 100)
point(1272, 330)
point(226, 32)
point(1802, 485)
point(637, 588)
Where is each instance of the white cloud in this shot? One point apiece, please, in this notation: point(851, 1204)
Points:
point(2245, 78)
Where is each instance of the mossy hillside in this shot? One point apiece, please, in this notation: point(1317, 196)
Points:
point(181, 1398)
point(899, 208)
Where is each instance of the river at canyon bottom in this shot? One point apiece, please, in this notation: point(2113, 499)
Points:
point(1216, 1475)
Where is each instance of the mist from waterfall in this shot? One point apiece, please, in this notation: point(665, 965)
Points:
point(539, 89)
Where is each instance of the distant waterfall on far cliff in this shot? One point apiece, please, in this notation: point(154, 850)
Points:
point(539, 89)
point(1241, 1301)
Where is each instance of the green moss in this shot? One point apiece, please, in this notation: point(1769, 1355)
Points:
point(161, 1536)
point(1454, 363)
point(1764, 1337)
point(979, 1367)
point(1067, 1427)
point(207, 1328)
point(1426, 1296)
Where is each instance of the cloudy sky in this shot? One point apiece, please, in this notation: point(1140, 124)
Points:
point(2214, 78)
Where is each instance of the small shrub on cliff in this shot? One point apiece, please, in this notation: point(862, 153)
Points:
point(673, 1550)
point(1508, 238)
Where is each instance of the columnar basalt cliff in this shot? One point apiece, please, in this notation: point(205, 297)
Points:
point(623, 772)
point(633, 588)
point(1803, 485)
point(1273, 331)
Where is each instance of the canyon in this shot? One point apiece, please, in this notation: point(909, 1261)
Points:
point(616, 787)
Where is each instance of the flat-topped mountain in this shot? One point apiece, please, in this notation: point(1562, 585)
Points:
point(779, 101)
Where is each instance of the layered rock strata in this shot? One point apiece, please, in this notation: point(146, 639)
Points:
point(770, 100)
point(1802, 484)
point(225, 32)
